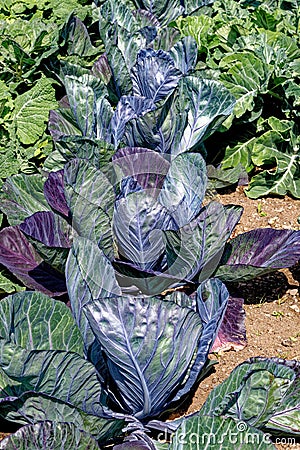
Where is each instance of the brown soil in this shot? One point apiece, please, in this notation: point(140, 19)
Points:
point(272, 302)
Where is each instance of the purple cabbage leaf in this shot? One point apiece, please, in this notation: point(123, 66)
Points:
point(257, 252)
point(19, 256)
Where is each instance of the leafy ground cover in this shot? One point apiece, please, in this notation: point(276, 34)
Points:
point(136, 279)
point(34, 35)
point(253, 49)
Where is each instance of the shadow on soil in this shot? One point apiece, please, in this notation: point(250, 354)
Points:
point(266, 288)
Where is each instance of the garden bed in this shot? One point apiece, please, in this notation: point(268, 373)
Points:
point(272, 301)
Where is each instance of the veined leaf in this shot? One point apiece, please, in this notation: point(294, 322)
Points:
point(211, 300)
point(49, 436)
point(90, 198)
point(7, 285)
point(202, 432)
point(22, 196)
point(60, 374)
point(34, 321)
point(89, 275)
point(86, 95)
point(153, 350)
point(32, 408)
point(183, 189)
point(138, 223)
point(262, 392)
point(128, 108)
point(154, 75)
point(257, 252)
point(247, 77)
point(32, 109)
point(273, 147)
point(147, 167)
point(54, 192)
point(184, 54)
point(19, 256)
point(195, 251)
point(208, 106)
point(232, 332)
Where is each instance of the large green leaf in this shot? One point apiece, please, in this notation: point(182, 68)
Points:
point(49, 436)
point(202, 106)
point(62, 375)
point(218, 433)
point(32, 109)
point(36, 322)
point(86, 95)
point(22, 196)
point(89, 275)
point(184, 187)
point(262, 392)
point(246, 77)
point(33, 408)
point(283, 151)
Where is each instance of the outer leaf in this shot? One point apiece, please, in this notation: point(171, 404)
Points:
point(120, 82)
point(247, 77)
point(154, 76)
point(19, 256)
point(232, 332)
point(48, 228)
point(195, 251)
point(23, 196)
point(153, 350)
point(101, 69)
point(33, 408)
point(259, 251)
point(62, 123)
point(36, 322)
point(86, 95)
point(162, 9)
point(184, 54)
point(8, 286)
point(49, 436)
point(31, 111)
point(54, 192)
point(89, 275)
point(204, 432)
point(208, 106)
point(62, 375)
point(96, 151)
point(137, 441)
point(78, 39)
point(285, 179)
point(156, 130)
point(184, 187)
point(212, 299)
point(128, 108)
point(259, 391)
point(90, 197)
